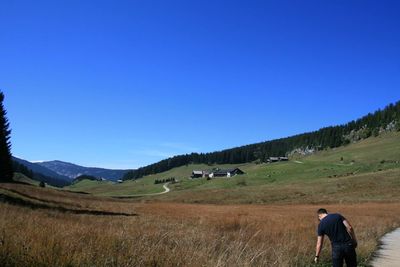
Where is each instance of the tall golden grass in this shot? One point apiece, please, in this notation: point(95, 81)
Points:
point(171, 234)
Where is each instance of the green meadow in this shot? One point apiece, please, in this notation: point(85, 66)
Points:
point(362, 171)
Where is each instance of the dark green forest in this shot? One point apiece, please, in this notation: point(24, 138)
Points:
point(328, 137)
point(20, 168)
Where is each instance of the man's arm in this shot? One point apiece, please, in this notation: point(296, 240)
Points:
point(320, 243)
point(351, 232)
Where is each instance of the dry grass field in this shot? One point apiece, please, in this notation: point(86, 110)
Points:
point(55, 228)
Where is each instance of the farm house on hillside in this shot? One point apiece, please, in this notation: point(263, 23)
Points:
point(273, 159)
point(197, 174)
point(216, 173)
point(200, 174)
point(276, 159)
point(228, 172)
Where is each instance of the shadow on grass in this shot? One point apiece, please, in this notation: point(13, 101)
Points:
point(30, 204)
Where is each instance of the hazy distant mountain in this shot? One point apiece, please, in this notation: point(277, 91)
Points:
point(44, 174)
point(72, 170)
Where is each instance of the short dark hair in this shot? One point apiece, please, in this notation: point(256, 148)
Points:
point(322, 211)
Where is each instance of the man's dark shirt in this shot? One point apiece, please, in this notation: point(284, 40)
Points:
point(332, 226)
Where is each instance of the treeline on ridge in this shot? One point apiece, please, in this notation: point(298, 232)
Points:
point(86, 177)
point(328, 137)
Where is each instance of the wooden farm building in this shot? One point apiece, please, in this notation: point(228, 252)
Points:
point(216, 173)
point(197, 174)
point(276, 159)
point(273, 159)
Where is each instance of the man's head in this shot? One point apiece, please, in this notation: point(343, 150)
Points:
point(322, 213)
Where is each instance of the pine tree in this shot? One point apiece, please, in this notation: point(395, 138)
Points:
point(6, 167)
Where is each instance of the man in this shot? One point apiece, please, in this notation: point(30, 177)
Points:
point(342, 237)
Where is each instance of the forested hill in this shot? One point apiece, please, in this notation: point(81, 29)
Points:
point(387, 119)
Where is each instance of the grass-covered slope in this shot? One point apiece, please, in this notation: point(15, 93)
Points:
point(363, 171)
point(19, 177)
point(107, 188)
point(328, 137)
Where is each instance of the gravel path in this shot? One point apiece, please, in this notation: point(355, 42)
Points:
point(388, 255)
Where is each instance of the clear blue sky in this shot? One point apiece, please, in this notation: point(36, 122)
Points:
point(121, 84)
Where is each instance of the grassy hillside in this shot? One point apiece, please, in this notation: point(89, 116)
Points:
point(363, 171)
point(327, 137)
point(19, 177)
point(107, 188)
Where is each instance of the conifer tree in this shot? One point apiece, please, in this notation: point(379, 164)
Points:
point(6, 167)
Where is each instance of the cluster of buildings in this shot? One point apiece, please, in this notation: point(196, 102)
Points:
point(228, 172)
point(216, 173)
point(275, 159)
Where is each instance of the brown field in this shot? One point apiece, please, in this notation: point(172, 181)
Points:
point(171, 234)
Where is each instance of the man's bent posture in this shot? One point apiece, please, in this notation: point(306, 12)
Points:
point(341, 235)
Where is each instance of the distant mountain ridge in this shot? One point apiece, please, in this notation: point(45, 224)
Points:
point(35, 167)
point(59, 173)
point(44, 174)
point(72, 171)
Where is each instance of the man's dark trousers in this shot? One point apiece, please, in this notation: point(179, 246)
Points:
point(344, 251)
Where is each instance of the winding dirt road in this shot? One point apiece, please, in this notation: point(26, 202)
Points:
point(166, 190)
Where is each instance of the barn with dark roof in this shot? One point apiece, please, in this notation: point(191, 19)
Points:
point(228, 172)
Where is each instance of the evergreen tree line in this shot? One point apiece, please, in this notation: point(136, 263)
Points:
point(18, 167)
point(6, 166)
point(328, 137)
